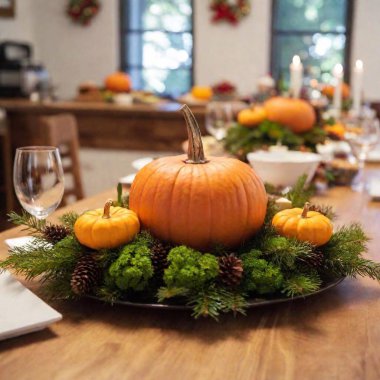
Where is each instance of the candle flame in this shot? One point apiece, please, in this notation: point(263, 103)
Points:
point(359, 64)
point(296, 60)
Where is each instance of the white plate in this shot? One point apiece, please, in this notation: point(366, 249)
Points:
point(21, 311)
point(127, 180)
point(18, 242)
point(141, 162)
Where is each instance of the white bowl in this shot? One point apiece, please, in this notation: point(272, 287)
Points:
point(284, 168)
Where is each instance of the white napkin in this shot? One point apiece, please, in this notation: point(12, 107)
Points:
point(21, 311)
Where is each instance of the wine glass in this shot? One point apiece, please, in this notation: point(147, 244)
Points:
point(38, 179)
point(362, 138)
point(219, 116)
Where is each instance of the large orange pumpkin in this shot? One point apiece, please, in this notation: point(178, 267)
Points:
point(196, 201)
point(296, 114)
point(118, 82)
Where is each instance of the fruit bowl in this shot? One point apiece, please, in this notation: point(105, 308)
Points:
point(285, 167)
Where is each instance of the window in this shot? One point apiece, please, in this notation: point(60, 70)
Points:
point(317, 30)
point(157, 44)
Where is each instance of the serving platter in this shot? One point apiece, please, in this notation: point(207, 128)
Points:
point(252, 303)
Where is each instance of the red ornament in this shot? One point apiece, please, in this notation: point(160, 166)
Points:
point(232, 13)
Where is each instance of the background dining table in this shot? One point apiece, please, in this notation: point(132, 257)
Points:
point(334, 335)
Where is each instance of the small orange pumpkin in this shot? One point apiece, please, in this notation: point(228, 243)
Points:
point(196, 201)
point(250, 117)
point(328, 90)
point(296, 114)
point(118, 82)
point(304, 225)
point(106, 228)
point(337, 130)
point(202, 92)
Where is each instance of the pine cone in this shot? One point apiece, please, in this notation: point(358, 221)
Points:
point(230, 270)
point(159, 253)
point(55, 233)
point(322, 209)
point(315, 260)
point(86, 275)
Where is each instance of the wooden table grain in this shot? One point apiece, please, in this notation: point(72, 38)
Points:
point(335, 335)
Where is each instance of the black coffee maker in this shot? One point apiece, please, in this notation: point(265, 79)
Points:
point(19, 77)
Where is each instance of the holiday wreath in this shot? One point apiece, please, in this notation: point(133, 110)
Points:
point(267, 247)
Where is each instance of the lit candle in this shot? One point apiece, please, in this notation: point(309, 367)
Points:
point(296, 76)
point(357, 86)
point(337, 100)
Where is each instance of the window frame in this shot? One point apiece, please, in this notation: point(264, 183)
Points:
point(124, 30)
point(347, 33)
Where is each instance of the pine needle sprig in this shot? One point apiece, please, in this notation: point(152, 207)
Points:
point(165, 293)
point(301, 284)
point(31, 224)
point(344, 253)
point(108, 294)
point(52, 264)
point(284, 252)
point(300, 193)
point(68, 219)
point(207, 303)
point(213, 300)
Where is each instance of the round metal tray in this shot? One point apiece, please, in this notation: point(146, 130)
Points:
point(251, 303)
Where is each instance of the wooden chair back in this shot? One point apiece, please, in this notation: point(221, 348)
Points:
point(62, 131)
point(6, 185)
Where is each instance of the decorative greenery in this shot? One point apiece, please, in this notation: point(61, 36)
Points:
point(241, 140)
point(273, 266)
point(190, 269)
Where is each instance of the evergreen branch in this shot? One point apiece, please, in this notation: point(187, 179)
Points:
point(31, 223)
point(211, 301)
point(40, 258)
point(108, 294)
point(235, 302)
point(300, 193)
point(206, 303)
point(301, 284)
point(69, 219)
point(165, 293)
point(284, 251)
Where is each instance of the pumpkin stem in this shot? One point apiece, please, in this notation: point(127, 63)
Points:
point(305, 210)
point(195, 153)
point(107, 207)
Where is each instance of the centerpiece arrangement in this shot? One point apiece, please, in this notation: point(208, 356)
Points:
point(288, 121)
point(194, 231)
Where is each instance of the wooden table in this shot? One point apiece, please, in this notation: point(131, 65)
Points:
point(335, 335)
point(158, 127)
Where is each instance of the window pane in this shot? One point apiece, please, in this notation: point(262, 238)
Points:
point(166, 15)
point(174, 82)
point(319, 53)
point(166, 51)
point(311, 15)
point(158, 45)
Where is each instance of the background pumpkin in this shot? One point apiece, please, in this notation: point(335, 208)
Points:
point(251, 117)
point(196, 201)
point(202, 92)
point(304, 225)
point(118, 82)
point(106, 228)
point(328, 90)
point(296, 114)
